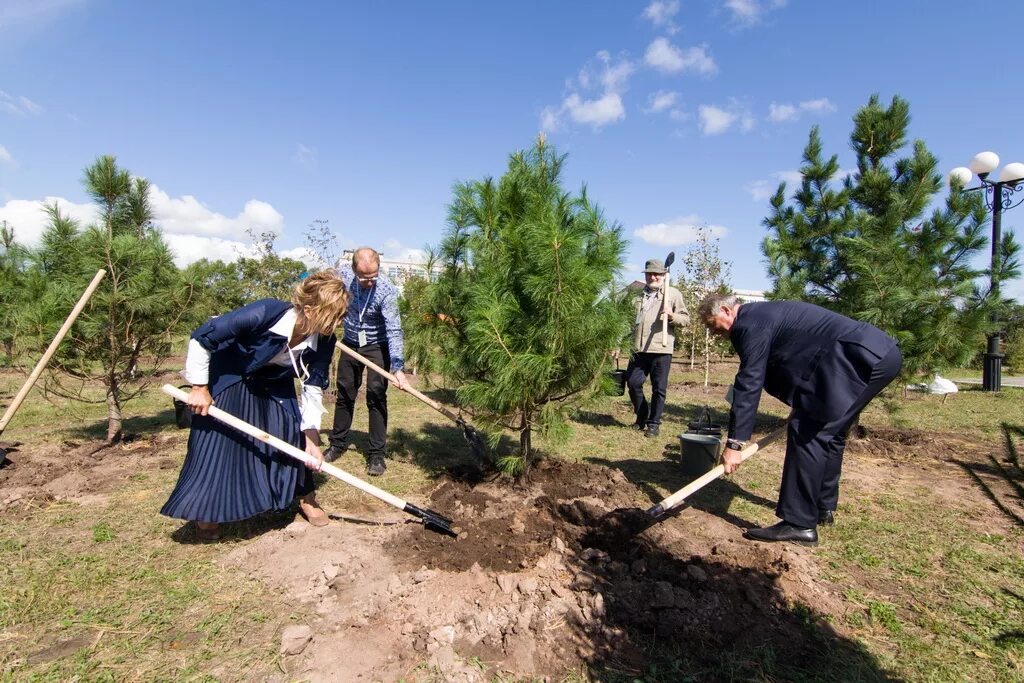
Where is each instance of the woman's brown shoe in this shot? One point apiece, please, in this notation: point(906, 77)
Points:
point(313, 513)
point(208, 531)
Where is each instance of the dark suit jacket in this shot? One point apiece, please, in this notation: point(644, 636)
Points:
point(241, 344)
point(816, 361)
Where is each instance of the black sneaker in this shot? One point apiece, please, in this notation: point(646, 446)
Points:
point(333, 453)
point(377, 466)
point(652, 431)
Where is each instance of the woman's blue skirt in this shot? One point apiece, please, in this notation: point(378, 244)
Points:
point(227, 475)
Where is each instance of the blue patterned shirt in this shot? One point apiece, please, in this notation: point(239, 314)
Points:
point(375, 312)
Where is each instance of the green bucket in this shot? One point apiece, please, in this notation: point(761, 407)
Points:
point(699, 452)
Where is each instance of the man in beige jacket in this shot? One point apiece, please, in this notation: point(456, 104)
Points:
point(650, 355)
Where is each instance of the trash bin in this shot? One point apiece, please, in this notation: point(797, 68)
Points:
point(618, 380)
point(699, 453)
point(701, 444)
point(182, 413)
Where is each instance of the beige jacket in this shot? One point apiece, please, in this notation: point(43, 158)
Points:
point(647, 311)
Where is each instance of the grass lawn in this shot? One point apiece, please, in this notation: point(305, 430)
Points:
point(927, 560)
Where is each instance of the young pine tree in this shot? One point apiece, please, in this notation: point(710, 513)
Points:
point(14, 292)
point(136, 307)
point(521, 319)
point(874, 249)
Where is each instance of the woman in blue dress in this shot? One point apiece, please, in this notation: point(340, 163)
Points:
point(246, 362)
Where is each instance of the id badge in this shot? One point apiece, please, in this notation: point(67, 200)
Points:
point(362, 338)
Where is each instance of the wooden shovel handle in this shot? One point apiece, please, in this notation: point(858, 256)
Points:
point(697, 484)
point(41, 365)
point(391, 378)
point(287, 448)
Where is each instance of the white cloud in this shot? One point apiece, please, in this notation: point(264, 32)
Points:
point(19, 105)
point(822, 104)
point(660, 101)
point(760, 190)
point(29, 219)
point(683, 230)
point(6, 159)
point(666, 57)
point(305, 156)
point(187, 216)
point(789, 112)
point(600, 109)
point(715, 121)
point(191, 248)
point(782, 112)
point(192, 230)
point(597, 113)
point(395, 250)
point(746, 13)
point(662, 13)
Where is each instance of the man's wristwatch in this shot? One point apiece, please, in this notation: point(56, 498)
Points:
point(735, 444)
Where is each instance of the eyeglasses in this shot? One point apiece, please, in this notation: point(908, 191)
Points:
point(368, 278)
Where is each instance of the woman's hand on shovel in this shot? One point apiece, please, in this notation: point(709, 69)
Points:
point(313, 449)
point(199, 399)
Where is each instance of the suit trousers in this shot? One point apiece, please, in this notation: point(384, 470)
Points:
point(814, 453)
point(640, 366)
point(350, 378)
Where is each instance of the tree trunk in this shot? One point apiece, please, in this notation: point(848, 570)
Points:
point(693, 344)
point(113, 412)
point(525, 446)
point(707, 357)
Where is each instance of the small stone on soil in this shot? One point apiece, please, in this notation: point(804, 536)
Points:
point(295, 638)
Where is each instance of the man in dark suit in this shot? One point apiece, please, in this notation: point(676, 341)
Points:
point(823, 365)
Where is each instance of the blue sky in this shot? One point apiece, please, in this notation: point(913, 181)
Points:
point(271, 115)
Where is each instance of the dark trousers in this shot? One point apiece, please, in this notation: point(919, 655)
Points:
point(350, 378)
point(640, 366)
point(814, 453)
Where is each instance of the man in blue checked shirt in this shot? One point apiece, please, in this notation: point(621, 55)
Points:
point(374, 329)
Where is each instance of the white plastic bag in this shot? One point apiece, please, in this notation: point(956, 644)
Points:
point(941, 385)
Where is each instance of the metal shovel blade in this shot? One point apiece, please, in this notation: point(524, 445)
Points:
point(432, 520)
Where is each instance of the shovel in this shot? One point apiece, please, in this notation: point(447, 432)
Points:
point(476, 442)
point(624, 523)
point(431, 520)
point(669, 260)
point(675, 499)
point(41, 365)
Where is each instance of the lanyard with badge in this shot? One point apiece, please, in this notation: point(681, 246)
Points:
point(362, 332)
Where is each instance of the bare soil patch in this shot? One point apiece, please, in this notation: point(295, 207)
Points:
point(80, 472)
point(533, 586)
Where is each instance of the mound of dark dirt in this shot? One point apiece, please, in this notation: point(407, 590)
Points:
point(687, 581)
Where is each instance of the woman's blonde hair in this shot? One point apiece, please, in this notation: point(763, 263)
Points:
point(322, 300)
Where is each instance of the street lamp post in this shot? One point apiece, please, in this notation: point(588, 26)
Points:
point(998, 197)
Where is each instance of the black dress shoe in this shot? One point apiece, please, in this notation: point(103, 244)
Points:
point(652, 432)
point(377, 466)
point(333, 453)
point(826, 517)
point(784, 531)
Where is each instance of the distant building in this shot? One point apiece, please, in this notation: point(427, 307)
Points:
point(749, 296)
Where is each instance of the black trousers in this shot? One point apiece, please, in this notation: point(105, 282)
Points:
point(350, 378)
point(814, 453)
point(640, 366)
